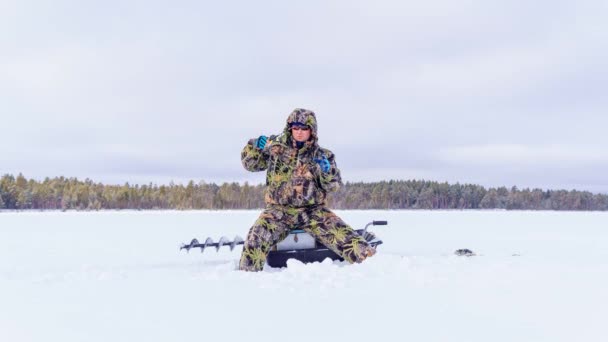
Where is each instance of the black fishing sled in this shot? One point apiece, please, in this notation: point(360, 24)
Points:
point(297, 245)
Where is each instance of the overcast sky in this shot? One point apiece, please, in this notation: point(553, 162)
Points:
point(486, 92)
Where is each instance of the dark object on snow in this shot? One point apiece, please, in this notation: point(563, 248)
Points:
point(464, 252)
point(209, 243)
point(297, 245)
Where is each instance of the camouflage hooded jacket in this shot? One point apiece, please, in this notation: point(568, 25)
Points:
point(293, 178)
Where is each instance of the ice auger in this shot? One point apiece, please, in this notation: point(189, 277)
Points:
point(297, 245)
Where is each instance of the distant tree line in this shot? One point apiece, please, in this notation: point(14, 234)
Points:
point(70, 193)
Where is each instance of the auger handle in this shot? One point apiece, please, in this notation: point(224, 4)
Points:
point(375, 223)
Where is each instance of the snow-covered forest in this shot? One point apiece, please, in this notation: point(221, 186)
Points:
point(71, 193)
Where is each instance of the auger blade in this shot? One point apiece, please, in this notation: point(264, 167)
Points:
point(237, 241)
point(224, 241)
point(187, 247)
point(209, 242)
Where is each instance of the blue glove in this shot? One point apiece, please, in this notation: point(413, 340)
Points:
point(324, 164)
point(261, 142)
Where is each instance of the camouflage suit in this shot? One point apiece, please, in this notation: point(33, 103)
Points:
point(295, 196)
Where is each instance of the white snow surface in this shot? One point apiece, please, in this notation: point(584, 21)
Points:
point(119, 276)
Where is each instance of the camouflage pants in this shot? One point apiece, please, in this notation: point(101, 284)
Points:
point(275, 222)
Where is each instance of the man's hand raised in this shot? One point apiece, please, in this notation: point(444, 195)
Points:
point(261, 142)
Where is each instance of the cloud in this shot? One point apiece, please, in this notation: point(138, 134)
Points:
point(514, 154)
point(436, 89)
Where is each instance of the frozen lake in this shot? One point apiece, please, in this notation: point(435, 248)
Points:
point(119, 276)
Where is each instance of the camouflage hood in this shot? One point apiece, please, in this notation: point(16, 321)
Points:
point(306, 117)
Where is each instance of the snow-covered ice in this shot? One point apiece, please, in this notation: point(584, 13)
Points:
point(119, 276)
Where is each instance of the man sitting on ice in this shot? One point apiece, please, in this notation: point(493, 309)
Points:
point(299, 174)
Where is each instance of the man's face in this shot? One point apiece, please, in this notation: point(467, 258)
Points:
point(300, 134)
